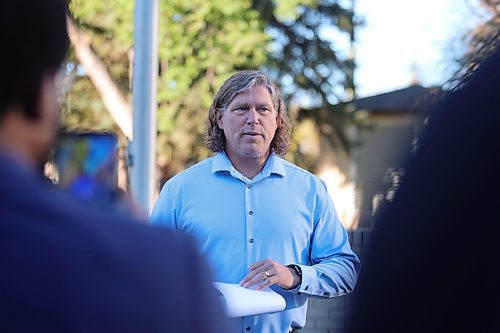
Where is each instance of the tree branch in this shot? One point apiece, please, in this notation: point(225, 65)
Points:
point(114, 101)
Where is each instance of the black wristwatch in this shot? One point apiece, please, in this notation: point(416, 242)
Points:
point(297, 270)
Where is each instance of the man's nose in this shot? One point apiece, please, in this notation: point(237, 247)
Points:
point(253, 116)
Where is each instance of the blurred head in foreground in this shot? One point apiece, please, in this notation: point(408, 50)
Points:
point(34, 45)
point(431, 265)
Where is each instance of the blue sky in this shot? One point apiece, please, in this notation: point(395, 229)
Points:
point(399, 35)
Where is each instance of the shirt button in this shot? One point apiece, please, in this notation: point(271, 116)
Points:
point(248, 328)
point(250, 213)
point(251, 240)
point(249, 185)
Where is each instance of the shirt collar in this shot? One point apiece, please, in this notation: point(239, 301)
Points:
point(274, 165)
point(221, 163)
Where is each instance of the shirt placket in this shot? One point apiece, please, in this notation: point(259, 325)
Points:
point(249, 223)
point(248, 323)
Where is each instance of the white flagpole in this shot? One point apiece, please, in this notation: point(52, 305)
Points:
point(144, 83)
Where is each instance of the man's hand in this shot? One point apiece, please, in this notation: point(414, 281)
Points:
point(267, 272)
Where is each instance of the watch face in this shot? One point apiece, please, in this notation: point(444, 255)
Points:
point(297, 269)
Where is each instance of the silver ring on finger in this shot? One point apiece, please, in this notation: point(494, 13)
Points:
point(267, 274)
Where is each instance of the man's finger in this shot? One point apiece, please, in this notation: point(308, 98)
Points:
point(250, 276)
point(255, 268)
point(267, 282)
point(256, 279)
point(257, 264)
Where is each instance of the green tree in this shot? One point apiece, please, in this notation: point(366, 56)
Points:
point(314, 73)
point(480, 42)
point(303, 53)
point(202, 45)
point(201, 42)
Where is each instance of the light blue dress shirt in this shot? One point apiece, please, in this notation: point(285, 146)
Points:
point(284, 213)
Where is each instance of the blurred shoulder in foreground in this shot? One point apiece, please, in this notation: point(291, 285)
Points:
point(66, 266)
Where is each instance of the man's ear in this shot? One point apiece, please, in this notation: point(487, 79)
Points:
point(218, 115)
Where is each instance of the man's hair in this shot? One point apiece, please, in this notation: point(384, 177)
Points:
point(235, 85)
point(34, 43)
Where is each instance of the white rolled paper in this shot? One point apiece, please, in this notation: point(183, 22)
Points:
point(240, 301)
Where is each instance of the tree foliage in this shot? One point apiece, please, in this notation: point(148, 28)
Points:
point(481, 42)
point(202, 42)
point(304, 55)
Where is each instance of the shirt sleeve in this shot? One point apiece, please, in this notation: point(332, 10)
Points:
point(334, 268)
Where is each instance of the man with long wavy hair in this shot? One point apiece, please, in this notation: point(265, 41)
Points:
point(262, 221)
